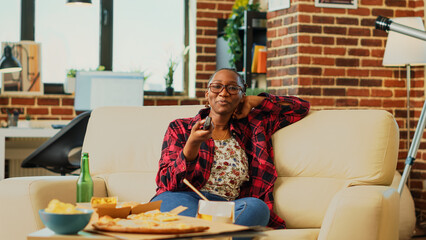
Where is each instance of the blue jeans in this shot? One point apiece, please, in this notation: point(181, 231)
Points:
point(248, 211)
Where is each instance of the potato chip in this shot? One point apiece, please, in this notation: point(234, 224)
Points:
point(56, 206)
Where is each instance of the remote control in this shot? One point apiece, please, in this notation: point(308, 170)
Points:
point(207, 123)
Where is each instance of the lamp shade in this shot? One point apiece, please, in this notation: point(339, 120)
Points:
point(8, 63)
point(79, 2)
point(401, 49)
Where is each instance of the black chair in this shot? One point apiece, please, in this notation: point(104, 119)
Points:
point(61, 153)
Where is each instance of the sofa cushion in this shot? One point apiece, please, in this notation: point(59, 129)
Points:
point(131, 186)
point(360, 146)
point(303, 201)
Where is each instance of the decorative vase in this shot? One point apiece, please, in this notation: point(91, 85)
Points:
point(169, 91)
point(69, 85)
point(24, 124)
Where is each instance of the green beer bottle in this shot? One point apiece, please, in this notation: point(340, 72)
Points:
point(84, 182)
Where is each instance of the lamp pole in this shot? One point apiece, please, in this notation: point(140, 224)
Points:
point(411, 157)
point(415, 49)
point(408, 104)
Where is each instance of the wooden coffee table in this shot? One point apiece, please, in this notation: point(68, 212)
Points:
point(47, 234)
point(216, 228)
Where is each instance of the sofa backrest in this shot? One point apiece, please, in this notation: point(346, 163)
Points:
point(327, 151)
point(124, 146)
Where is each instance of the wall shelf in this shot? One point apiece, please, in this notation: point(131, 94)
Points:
point(252, 32)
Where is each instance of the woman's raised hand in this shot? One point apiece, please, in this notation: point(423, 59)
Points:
point(244, 108)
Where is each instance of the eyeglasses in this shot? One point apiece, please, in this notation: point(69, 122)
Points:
point(231, 89)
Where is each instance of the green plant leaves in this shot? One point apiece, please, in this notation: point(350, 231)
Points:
point(234, 23)
point(171, 70)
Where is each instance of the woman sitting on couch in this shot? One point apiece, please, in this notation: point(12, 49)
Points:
point(233, 159)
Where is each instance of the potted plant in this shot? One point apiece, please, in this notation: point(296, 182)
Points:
point(25, 123)
point(69, 85)
point(234, 23)
point(169, 77)
point(146, 75)
point(100, 68)
point(71, 73)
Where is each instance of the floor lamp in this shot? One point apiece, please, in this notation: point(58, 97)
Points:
point(405, 51)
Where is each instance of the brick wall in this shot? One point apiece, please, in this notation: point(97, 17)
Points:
point(172, 100)
point(61, 107)
point(208, 11)
point(44, 107)
point(333, 58)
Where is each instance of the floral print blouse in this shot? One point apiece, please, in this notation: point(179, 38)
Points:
point(229, 169)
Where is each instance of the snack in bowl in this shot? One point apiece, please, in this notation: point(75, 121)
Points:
point(148, 222)
point(56, 206)
point(64, 218)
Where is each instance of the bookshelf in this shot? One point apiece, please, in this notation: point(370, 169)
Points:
point(252, 32)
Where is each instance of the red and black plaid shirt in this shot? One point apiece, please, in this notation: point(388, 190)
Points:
point(253, 133)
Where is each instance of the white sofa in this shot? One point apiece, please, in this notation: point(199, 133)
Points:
point(335, 169)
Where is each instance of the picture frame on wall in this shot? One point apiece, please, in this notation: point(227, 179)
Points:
point(28, 80)
point(350, 4)
point(274, 5)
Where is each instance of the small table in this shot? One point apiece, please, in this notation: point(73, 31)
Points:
point(47, 234)
point(22, 133)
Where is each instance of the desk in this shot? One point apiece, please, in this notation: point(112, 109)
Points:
point(22, 133)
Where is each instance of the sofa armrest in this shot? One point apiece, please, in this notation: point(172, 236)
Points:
point(22, 197)
point(362, 212)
